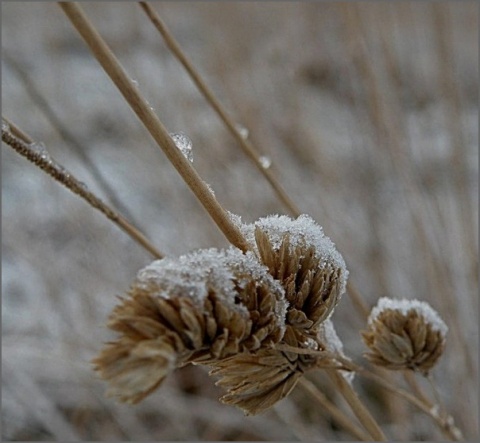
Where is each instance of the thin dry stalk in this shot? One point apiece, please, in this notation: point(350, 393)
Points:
point(244, 143)
point(453, 121)
point(22, 144)
point(147, 116)
point(338, 415)
point(445, 423)
point(357, 406)
point(67, 135)
point(409, 377)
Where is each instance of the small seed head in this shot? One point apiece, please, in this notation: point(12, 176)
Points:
point(404, 334)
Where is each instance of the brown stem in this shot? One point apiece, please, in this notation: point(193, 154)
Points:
point(339, 416)
point(357, 406)
point(446, 424)
point(247, 146)
point(21, 143)
point(147, 116)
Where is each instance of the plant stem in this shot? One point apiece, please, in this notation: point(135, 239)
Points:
point(66, 133)
point(446, 423)
point(339, 416)
point(21, 143)
point(246, 145)
point(139, 105)
point(357, 406)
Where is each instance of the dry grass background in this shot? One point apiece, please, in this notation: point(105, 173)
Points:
point(369, 112)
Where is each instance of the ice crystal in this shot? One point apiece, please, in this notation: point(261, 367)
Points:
point(184, 144)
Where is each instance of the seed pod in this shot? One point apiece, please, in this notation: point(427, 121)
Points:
point(206, 305)
point(404, 334)
point(310, 269)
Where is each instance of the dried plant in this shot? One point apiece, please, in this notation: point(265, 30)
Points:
point(204, 306)
point(404, 334)
point(259, 314)
point(226, 310)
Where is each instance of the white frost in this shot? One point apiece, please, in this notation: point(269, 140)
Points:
point(242, 130)
point(199, 272)
point(328, 336)
point(302, 229)
point(184, 144)
point(265, 161)
point(404, 305)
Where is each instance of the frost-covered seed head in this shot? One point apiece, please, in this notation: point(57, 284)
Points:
point(205, 305)
point(404, 334)
point(306, 262)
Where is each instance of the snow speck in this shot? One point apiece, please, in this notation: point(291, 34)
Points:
point(265, 161)
point(209, 188)
point(134, 83)
point(5, 126)
point(39, 149)
point(236, 219)
point(242, 130)
point(184, 144)
point(404, 305)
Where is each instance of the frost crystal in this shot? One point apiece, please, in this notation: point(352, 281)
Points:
point(242, 130)
point(39, 148)
point(184, 144)
point(265, 161)
point(405, 305)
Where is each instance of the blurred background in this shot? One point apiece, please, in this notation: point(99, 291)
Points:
point(369, 114)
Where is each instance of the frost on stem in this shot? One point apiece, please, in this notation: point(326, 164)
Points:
point(184, 144)
point(202, 306)
point(404, 334)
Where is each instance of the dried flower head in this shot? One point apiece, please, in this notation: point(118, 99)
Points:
point(310, 269)
point(260, 320)
point(313, 275)
point(404, 334)
point(257, 380)
point(206, 305)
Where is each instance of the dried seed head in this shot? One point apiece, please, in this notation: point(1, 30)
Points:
point(305, 261)
point(206, 305)
point(255, 381)
point(404, 334)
